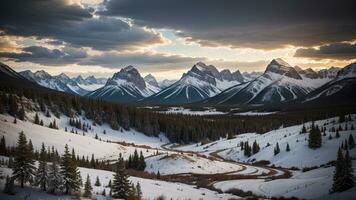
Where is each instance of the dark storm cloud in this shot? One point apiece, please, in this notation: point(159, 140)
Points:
point(45, 56)
point(339, 51)
point(239, 23)
point(115, 60)
point(72, 24)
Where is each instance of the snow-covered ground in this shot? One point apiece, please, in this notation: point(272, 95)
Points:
point(183, 163)
point(151, 189)
point(131, 136)
point(300, 154)
point(251, 113)
point(187, 111)
point(308, 185)
point(83, 145)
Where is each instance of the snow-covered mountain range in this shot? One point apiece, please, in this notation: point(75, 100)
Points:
point(279, 83)
point(200, 82)
point(127, 85)
point(63, 83)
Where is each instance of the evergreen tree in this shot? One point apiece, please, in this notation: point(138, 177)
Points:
point(37, 119)
point(314, 137)
point(3, 150)
point(104, 193)
point(120, 185)
point(87, 188)
point(55, 179)
point(42, 171)
point(138, 191)
point(69, 172)
point(304, 130)
point(22, 113)
point(97, 182)
point(276, 149)
point(287, 147)
point(351, 142)
point(23, 169)
point(255, 147)
point(41, 122)
point(337, 135)
point(158, 176)
point(343, 177)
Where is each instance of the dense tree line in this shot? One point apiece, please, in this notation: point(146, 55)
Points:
point(177, 127)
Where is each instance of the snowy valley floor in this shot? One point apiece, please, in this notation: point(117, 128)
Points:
point(217, 165)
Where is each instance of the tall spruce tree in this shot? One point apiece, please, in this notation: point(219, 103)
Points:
point(3, 150)
point(69, 172)
point(343, 177)
point(55, 179)
point(277, 149)
point(314, 137)
point(23, 169)
point(120, 185)
point(138, 191)
point(87, 188)
point(97, 182)
point(41, 178)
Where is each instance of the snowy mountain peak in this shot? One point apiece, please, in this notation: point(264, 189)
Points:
point(281, 67)
point(128, 75)
point(150, 79)
point(348, 71)
point(42, 74)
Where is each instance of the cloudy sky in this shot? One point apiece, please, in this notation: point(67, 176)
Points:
point(166, 37)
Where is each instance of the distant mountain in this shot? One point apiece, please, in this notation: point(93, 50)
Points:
point(11, 78)
point(200, 82)
point(150, 79)
point(166, 83)
point(280, 82)
point(127, 85)
point(338, 92)
point(248, 76)
point(62, 82)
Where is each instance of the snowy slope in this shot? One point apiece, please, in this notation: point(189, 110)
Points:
point(230, 149)
point(151, 189)
point(308, 185)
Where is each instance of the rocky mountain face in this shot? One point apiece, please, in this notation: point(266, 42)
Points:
point(200, 82)
point(279, 83)
point(127, 85)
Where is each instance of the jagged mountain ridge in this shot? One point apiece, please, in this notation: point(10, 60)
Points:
point(280, 82)
point(200, 82)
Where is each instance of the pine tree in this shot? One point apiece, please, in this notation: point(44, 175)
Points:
point(24, 168)
point(37, 119)
point(314, 137)
point(42, 171)
point(55, 179)
point(337, 135)
point(41, 122)
point(69, 172)
point(276, 149)
point(87, 188)
point(158, 176)
point(138, 191)
point(3, 150)
point(339, 172)
point(120, 185)
point(104, 193)
point(351, 142)
point(97, 182)
point(22, 113)
point(304, 130)
point(255, 147)
point(287, 147)
point(343, 177)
